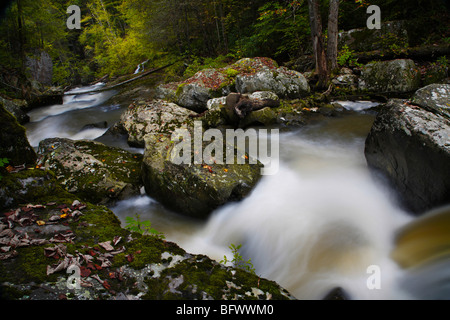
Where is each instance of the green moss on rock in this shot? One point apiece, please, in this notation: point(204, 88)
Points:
point(14, 143)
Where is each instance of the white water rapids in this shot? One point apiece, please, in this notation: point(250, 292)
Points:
point(321, 222)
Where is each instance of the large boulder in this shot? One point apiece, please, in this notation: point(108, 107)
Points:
point(14, 143)
point(282, 81)
point(244, 76)
point(154, 116)
point(395, 76)
point(193, 189)
point(91, 170)
point(410, 145)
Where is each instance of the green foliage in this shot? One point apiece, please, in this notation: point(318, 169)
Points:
point(237, 260)
point(135, 224)
point(281, 30)
point(346, 58)
point(392, 42)
point(3, 162)
point(199, 63)
point(443, 62)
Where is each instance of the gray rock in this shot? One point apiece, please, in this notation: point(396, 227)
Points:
point(154, 116)
point(282, 81)
point(193, 189)
point(398, 76)
point(245, 76)
point(91, 170)
point(434, 97)
point(411, 146)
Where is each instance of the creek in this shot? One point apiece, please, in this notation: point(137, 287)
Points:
point(323, 221)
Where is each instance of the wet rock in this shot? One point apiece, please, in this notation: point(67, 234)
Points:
point(91, 170)
point(435, 98)
point(153, 116)
point(53, 95)
point(100, 125)
point(193, 189)
point(295, 112)
point(395, 76)
point(336, 294)
point(14, 143)
point(410, 145)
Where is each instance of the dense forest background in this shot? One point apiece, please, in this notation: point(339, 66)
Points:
point(117, 35)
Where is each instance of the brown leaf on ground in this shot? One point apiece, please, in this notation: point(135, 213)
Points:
point(106, 245)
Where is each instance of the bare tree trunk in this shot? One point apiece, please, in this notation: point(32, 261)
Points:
point(317, 40)
point(332, 45)
point(224, 33)
point(21, 33)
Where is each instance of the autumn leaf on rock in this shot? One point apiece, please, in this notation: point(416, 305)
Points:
point(106, 245)
point(85, 272)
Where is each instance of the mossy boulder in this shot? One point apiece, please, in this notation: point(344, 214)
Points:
point(193, 189)
point(153, 116)
point(91, 170)
point(282, 81)
point(244, 76)
point(394, 76)
point(28, 186)
point(14, 143)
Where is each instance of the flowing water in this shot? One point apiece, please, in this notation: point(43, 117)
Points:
point(321, 222)
point(67, 120)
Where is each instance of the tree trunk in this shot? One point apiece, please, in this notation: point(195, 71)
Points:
point(224, 33)
point(317, 40)
point(21, 34)
point(332, 45)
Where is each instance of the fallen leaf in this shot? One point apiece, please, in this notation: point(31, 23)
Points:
point(85, 272)
point(116, 240)
point(106, 285)
point(40, 222)
point(106, 245)
point(7, 255)
point(130, 257)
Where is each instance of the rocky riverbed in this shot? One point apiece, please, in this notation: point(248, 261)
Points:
point(52, 200)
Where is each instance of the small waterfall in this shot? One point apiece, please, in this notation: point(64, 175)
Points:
point(66, 120)
point(140, 68)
